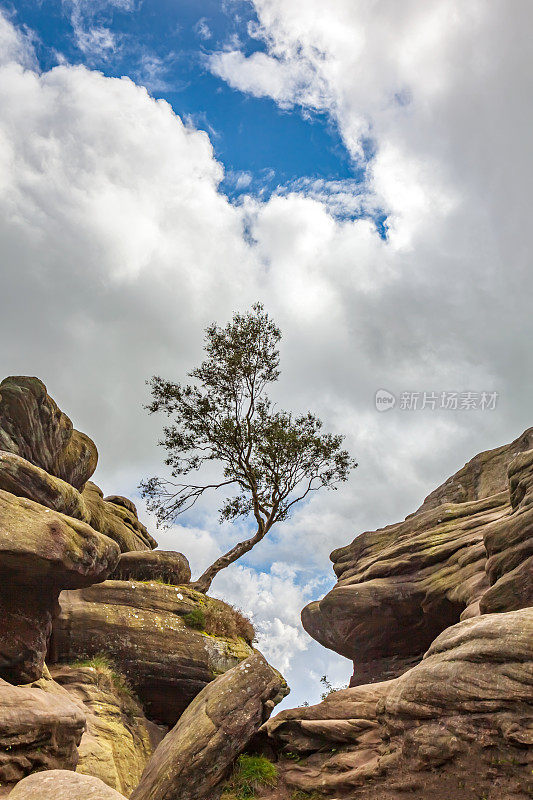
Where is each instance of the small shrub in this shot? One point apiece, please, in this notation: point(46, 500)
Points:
point(106, 668)
point(195, 619)
point(300, 794)
point(328, 686)
point(223, 620)
point(249, 773)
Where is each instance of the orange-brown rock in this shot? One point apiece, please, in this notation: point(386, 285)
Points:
point(147, 628)
point(32, 426)
point(193, 758)
point(41, 553)
point(63, 785)
point(400, 586)
point(38, 730)
point(459, 724)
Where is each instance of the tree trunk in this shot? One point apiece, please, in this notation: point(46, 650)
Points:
point(203, 583)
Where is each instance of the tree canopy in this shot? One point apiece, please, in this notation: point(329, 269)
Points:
point(271, 458)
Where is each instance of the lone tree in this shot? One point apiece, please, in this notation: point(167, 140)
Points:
point(272, 458)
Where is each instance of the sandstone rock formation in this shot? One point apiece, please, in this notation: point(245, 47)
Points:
point(165, 566)
point(38, 730)
point(509, 545)
point(194, 757)
point(116, 520)
point(32, 426)
point(118, 740)
point(60, 784)
point(459, 724)
point(56, 530)
point(41, 553)
point(399, 587)
point(146, 628)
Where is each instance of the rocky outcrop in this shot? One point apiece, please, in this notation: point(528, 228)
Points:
point(127, 653)
point(38, 730)
point(194, 757)
point(459, 721)
point(400, 586)
point(118, 740)
point(165, 566)
point(170, 641)
point(44, 459)
point(483, 476)
point(41, 553)
point(116, 520)
point(509, 545)
point(63, 785)
point(32, 426)
point(459, 724)
point(56, 530)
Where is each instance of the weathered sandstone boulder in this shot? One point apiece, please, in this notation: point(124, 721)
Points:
point(32, 426)
point(509, 545)
point(117, 520)
point(459, 724)
point(400, 586)
point(169, 641)
point(165, 566)
point(41, 553)
point(194, 757)
point(38, 730)
point(483, 476)
point(118, 740)
point(60, 784)
point(23, 479)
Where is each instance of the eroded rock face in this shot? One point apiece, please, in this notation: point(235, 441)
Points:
point(56, 530)
point(166, 566)
point(38, 730)
point(60, 784)
point(509, 545)
point(483, 476)
point(463, 715)
point(117, 520)
point(193, 758)
point(143, 627)
point(399, 587)
point(118, 740)
point(32, 426)
point(41, 553)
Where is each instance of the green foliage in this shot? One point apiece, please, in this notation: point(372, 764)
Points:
point(195, 619)
point(271, 458)
point(249, 773)
point(300, 794)
point(107, 668)
point(222, 619)
point(330, 689)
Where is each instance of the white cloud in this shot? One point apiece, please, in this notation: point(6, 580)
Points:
point(96, 41)
point(202, 29)
point(15, 46)
point(118, 247)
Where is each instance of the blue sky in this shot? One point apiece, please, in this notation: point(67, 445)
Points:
point(378, 173)
point(164, 45)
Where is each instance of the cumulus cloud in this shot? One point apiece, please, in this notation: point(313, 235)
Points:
point(119, 247)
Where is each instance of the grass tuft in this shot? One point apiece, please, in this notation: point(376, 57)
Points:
point(220, 619)
point(107, 668)
point(195, 619)
point(250, 773)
